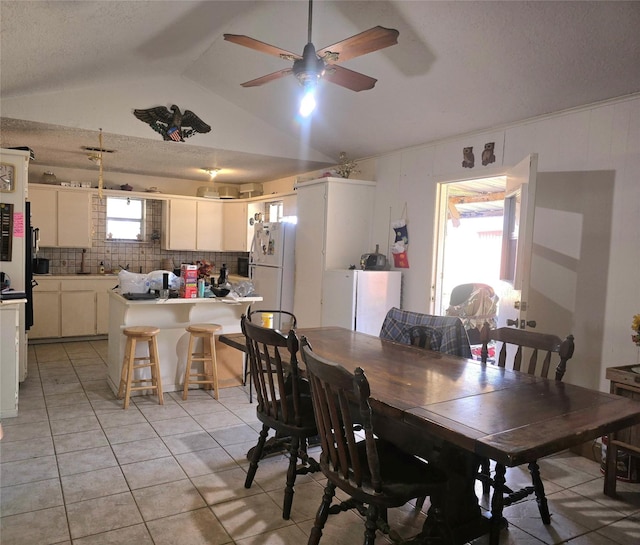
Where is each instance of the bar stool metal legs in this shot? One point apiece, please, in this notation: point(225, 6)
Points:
point(209, 374)
point(130, 363)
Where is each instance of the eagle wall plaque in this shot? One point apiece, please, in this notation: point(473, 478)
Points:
point(171, 123)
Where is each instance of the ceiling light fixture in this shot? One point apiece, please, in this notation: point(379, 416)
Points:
point(212, 172)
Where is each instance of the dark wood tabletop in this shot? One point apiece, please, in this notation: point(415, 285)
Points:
point(484, 410)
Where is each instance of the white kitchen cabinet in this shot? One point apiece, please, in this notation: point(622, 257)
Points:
point(71, 306)
point(77, 313)
point(63, 216)
point(234, 231)
point(191, 224)
point(179, 219)
point(334, 229)
point(44, 214)
point(209, 225)
point(46, 309)
point(9, 357)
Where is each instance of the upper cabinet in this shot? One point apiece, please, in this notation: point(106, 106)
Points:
point(235, 227)
point(63, 217)
point(190, 224)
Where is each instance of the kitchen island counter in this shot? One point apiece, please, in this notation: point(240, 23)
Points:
point(172, 316)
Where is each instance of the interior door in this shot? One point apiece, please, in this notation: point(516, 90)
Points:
point(515, 270)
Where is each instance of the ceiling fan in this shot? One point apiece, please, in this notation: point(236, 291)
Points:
point(314, 65)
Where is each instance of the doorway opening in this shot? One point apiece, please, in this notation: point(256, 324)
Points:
point(469, 236)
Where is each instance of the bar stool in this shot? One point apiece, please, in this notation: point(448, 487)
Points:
point(209, 375)
point(135, 334)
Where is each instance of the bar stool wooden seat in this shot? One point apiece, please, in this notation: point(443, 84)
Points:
point(128, 384)
point(209, 375)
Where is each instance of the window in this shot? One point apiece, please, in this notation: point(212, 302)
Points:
point(125, 218)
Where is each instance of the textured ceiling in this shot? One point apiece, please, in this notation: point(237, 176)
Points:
point(457, 67)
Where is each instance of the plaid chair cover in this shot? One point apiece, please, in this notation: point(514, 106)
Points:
point(397, 323)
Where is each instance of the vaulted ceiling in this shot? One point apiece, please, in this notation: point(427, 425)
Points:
point(70, 68)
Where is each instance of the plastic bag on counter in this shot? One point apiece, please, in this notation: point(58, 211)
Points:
point(155, 279)
point(132, 282)
point(244, 288)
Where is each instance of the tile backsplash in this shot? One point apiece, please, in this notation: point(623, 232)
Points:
point(138, 256)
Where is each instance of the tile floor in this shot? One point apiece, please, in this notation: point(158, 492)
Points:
point(77, 468)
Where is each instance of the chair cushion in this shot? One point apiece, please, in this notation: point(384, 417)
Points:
point(454, 337)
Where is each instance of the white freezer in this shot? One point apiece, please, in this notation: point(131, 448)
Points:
point(359, 300)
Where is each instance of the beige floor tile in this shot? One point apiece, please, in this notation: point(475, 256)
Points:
point(176, 426)
point(201, 406)
point(626, 502)
point(68, 412)
point(206, 461)
point(70, 442)
point(27, 497)
point(61, 388)
point(11, 451)
point(217, 420)
point(239, 451)
point(189, 442)
point(115, 419)
point(30, 470)
point(167, 499)
point(234, 434)
point(154, 412)
point(43, 527)
point(290, 535)
point(224, 486)
point(581, 509)
point(30, 401)
point(26, 416)
point(82, 461)
point(93, 484)
point(133, 432)
point(137, 451)
point(624, 532)
point(526, 517)
point(135, 535)
point(306, 499)
point(75, 425)
point(272, 473)
point(25, 432)
point(250, 516)
point(510, 536)
point(194, 527)
point(152, 472)
point(342, 529)
point(102, 514)
point(66, 399)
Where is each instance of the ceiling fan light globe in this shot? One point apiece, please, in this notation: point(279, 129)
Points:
point(308, 103)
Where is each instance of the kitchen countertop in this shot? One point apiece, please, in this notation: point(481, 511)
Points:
point(183, 300)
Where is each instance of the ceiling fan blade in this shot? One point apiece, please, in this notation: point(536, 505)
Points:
point(348, 78)
point(370, 40)
point(266, 79)
point(261, 46)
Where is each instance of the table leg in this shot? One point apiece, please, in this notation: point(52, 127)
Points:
point(497, 504)
point(610, 467)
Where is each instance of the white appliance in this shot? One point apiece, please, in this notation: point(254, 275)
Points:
point(272, 265)
point(359, 300)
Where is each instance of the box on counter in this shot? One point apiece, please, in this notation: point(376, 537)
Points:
point(189, 285)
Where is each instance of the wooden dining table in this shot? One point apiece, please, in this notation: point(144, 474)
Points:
point(453, 410)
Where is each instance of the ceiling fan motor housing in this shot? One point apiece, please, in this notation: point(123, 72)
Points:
point(310, 68)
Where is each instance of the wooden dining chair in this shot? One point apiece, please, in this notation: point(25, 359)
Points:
point(284, 403)
point(280, 320)
point(424, 336)
point(374, 473)
point(532, 353)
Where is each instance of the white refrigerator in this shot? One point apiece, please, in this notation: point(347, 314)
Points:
point(359, 300)
point(272, 266)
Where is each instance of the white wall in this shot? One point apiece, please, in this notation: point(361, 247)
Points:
point(601, 137)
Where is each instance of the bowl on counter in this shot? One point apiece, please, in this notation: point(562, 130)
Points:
point(220, 292)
